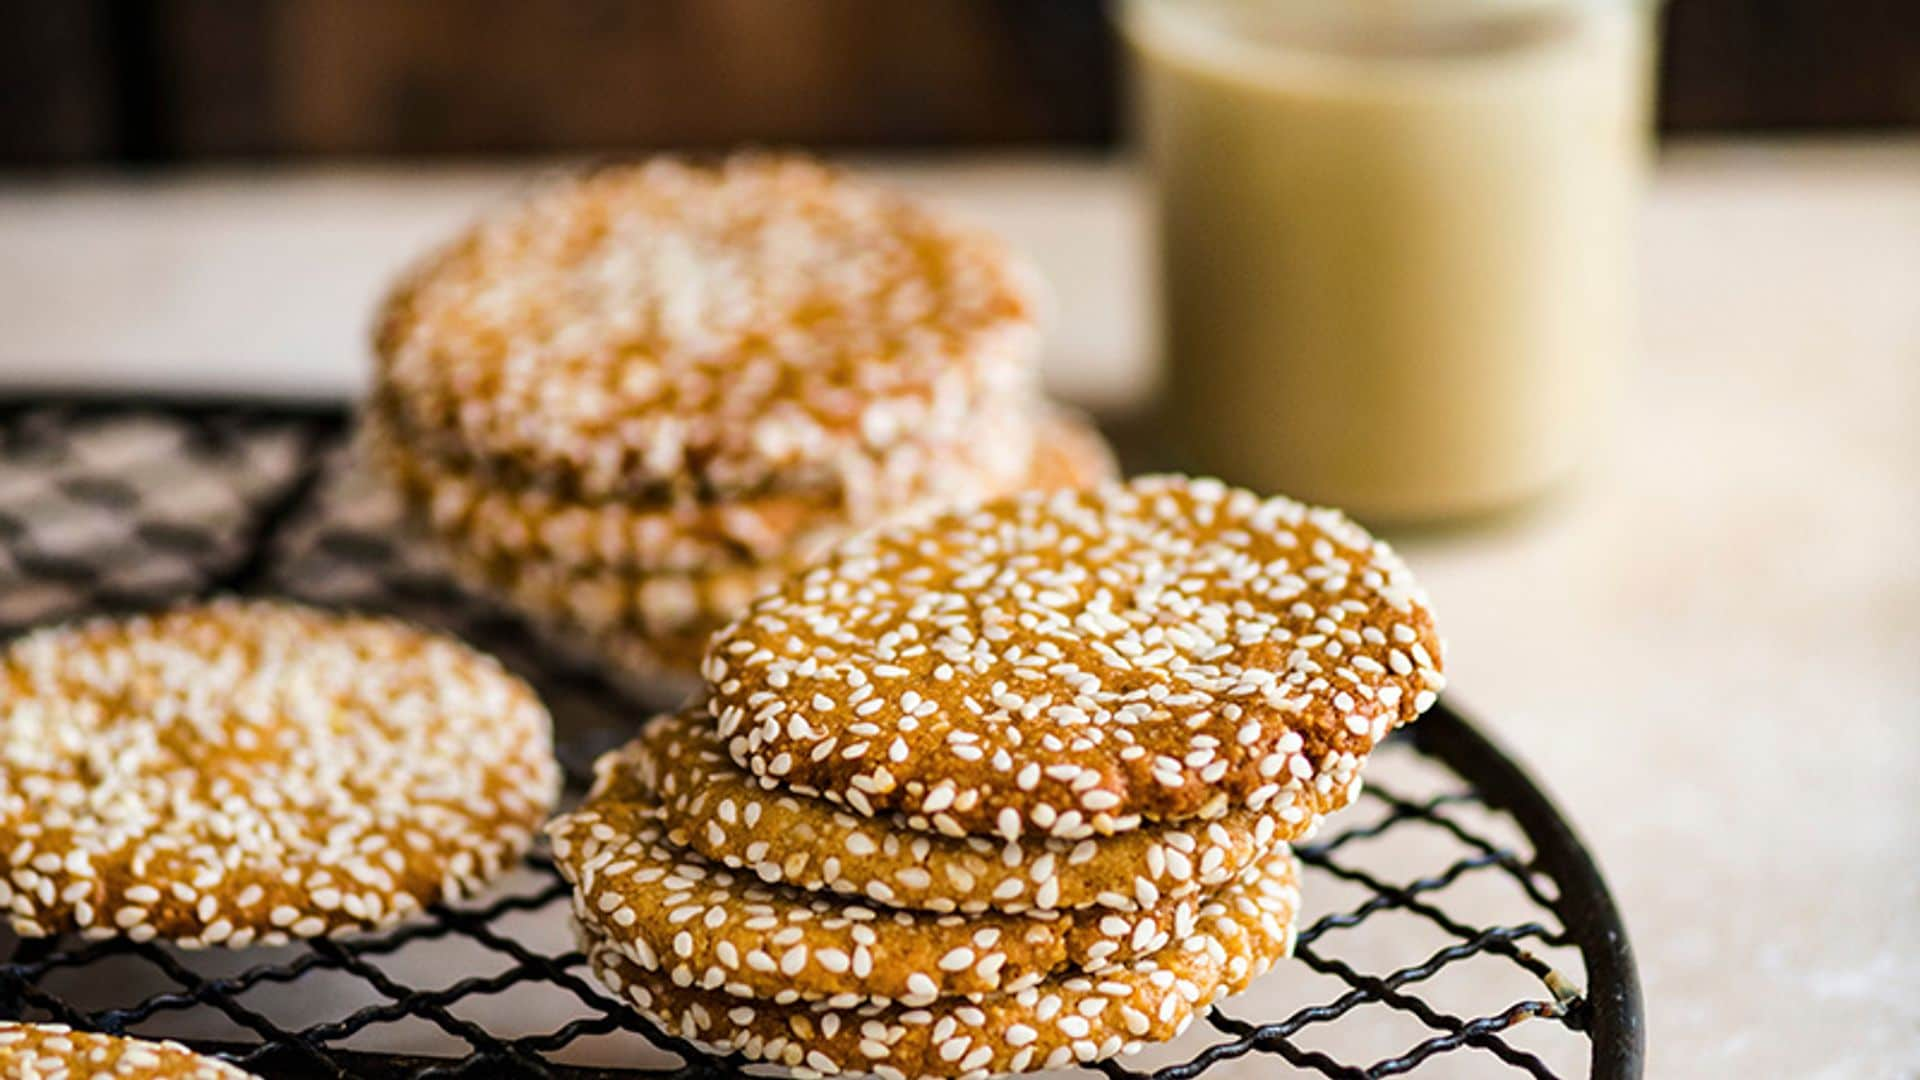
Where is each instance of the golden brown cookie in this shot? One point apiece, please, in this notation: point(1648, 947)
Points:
point(240, 772)
point(692, 604)
point(1072, 663)
point(1069, 1018)
point(502, 522)
point(57, 1052)
point(498, 522)
point(646, 624)
point(662, 605)
point(645, 632)
point(666, 324)
point(704, 926)
point(724, 814)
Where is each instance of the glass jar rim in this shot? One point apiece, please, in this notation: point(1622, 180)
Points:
point(1384, 30)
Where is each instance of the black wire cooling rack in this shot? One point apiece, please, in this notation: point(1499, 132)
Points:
point(1455, 925)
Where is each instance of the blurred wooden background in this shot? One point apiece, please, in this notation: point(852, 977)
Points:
point(89, 81)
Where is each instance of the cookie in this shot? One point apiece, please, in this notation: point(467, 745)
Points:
point(699, 601)
point(1075, 663)
point(727, 816)
point(497, 522)
point(668, 325)
point(1067, 1019)
point(241, 772)
point(660, 605)
point(57, 1052)
point(511, 523)
point(704, 926)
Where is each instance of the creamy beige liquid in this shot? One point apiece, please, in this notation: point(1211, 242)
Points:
point(1396, 239)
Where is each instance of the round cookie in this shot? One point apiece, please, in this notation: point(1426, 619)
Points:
point(724, 814)
point(501, 522)
point(1070, 1018)
point(57, 1052)
point(707, 927)
point(650, 327)
point(241, 772)
point(1072, 663)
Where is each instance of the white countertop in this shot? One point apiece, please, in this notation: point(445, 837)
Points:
point(1710, 651)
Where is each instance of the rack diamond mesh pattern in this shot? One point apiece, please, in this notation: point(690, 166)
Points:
point(1455, 926)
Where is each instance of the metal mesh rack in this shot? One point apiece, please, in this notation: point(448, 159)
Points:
point(1455, 925)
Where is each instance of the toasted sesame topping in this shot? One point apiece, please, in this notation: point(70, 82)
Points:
point(1161, 649)
point(243, 772)
point(641, 325)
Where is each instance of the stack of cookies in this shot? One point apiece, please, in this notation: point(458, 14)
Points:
point(1003, 790)
point(637, 398)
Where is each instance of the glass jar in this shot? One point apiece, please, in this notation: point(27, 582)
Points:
point(1396, 238)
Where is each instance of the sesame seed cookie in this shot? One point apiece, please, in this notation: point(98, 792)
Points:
point(1067, 1019)
point(666, 324)
point(704, 926)
point(696, 602)
point(254, 771)
point(723, 813)
point(1073, 663)
point(650, 605)
point(57, 1052)
point(501, 522)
